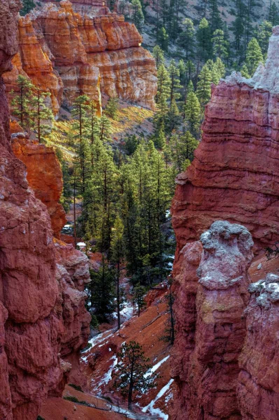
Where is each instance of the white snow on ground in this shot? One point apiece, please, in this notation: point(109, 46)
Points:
point(108, 376)
point(126, 313)
point(157, 411)
point(155, 367)
point(100, 339)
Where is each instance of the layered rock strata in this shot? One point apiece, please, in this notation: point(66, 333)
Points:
point(235, 174)
point(70, 54)
point(258, 382)
point(213, 336)
point(44, 176)
point(31, 325)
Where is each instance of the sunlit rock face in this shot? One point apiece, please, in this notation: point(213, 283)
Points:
point(235, 173)
point(258, 382)
point(69, 54)
point(210, 322)
point(32, 277)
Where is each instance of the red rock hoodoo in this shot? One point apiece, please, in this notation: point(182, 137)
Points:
point(213, 337)
point(44, 176)
point(35, 292)
point(69, 54)
point(235, 173)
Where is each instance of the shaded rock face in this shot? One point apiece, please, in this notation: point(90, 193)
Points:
point(258, 383)
point(44, 176)
point(71, 54)
point(211, 326)
point(32, 328)
point(234, 175)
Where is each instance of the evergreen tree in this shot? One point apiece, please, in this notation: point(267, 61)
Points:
point(187, 38)
point(138, 298)
point(105, 129)
point(22, 102)
point(174, 81)
point(112, 108)
point(118, 254)
point(137, 14)
point(27, 6)
point(158, 54)
point(254, 56)
point(190, 70)
point(219, 44)
point(163, 90)
point(160, 138)
point(263, 35)
point(101, 293)
point(193, 114)
point(215, 18)
point(42, 113)
point(204, 85)
point(173, 119)
point(220, 68)
point(273, 14)
point(238, 29)
point(245, 72)
point(163, 39)
point(131, 371)
point(204, 40)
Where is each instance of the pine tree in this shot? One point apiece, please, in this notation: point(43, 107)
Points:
point(263, 35)
point(160, 138)
point(22, 102)
point(245, 72)
point(158, 54)
point(137, 14)
point(105, 129)
point(204, 40)
point(131, 373)
point(220, 68)
point(138, 298)
point(163, 90)
point(204, 85)
point(187, 38)
point(215, 18)
point(238, 29)
point(190, 70)
point(102, 292)
point(273, 14)
point(193, 114)
point(219, 44)
point(163, 39)
point(254, 56)
point(174, 81)
point(118, 254)
point(27, 6)
point(112, 108)
point(173, 117)
point(42, 113)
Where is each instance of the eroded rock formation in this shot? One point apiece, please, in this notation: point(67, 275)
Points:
point(70, 54)
point(235, 173)
point(213, 336)
point(31, 325)
point(258, 383)
point(44, 176)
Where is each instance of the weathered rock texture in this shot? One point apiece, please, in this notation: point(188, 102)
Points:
point(235, 173)
point(70, 54)
point(214, 336)
point(258, 382)
point(44, 176)
point(31, 325)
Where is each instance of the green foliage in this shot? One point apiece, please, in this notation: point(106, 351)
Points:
point(138, 298)
point(101, 292)
point(27, 6)
point(182, 149)
point(77, 387)
point(273, 14)
point(254, 56)
point(204, 85)
point(22, 102)
point(263, 35)
point(158, 54)
point(163, 39)
point(131, 373)
point(193, 114)
point(131, 144)
point(204, 40)
point(187, 38)
point(137, 14)
point(245, 72)
point(112, 108)
point(220, 44)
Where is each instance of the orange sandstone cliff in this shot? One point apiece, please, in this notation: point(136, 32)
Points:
point(70, 54)
point(42, 317)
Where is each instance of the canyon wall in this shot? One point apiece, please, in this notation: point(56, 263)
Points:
point(70, 54)
point(41, 293)
point(210, 323)
point(235, 173)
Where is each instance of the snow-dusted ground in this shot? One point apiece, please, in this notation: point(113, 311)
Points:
point(156, 411)
point(155, 367)
point(108, 375)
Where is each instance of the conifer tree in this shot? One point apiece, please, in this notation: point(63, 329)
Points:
point(204, 85)
point(118, 254)
point(245, 72)
point(42, 113)
point(263, 35)
point(174, 81)
point(22, 102)
point(131, 373)
point(105, 129)
point(137, 14)
point(190, 70)
point(204, 40)
point(163, 90)
point(138, 298)
point(215, 18)
point(187, 38)
point(193, 114)
point(158, 54)
point(160, 138)
point(254, 56)
point(163, 39)
point(27, 6)
point(273, 14)
point(219, 44)
point(112, 108)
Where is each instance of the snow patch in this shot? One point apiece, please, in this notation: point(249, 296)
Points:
point(156, 411)
point(154, 368)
